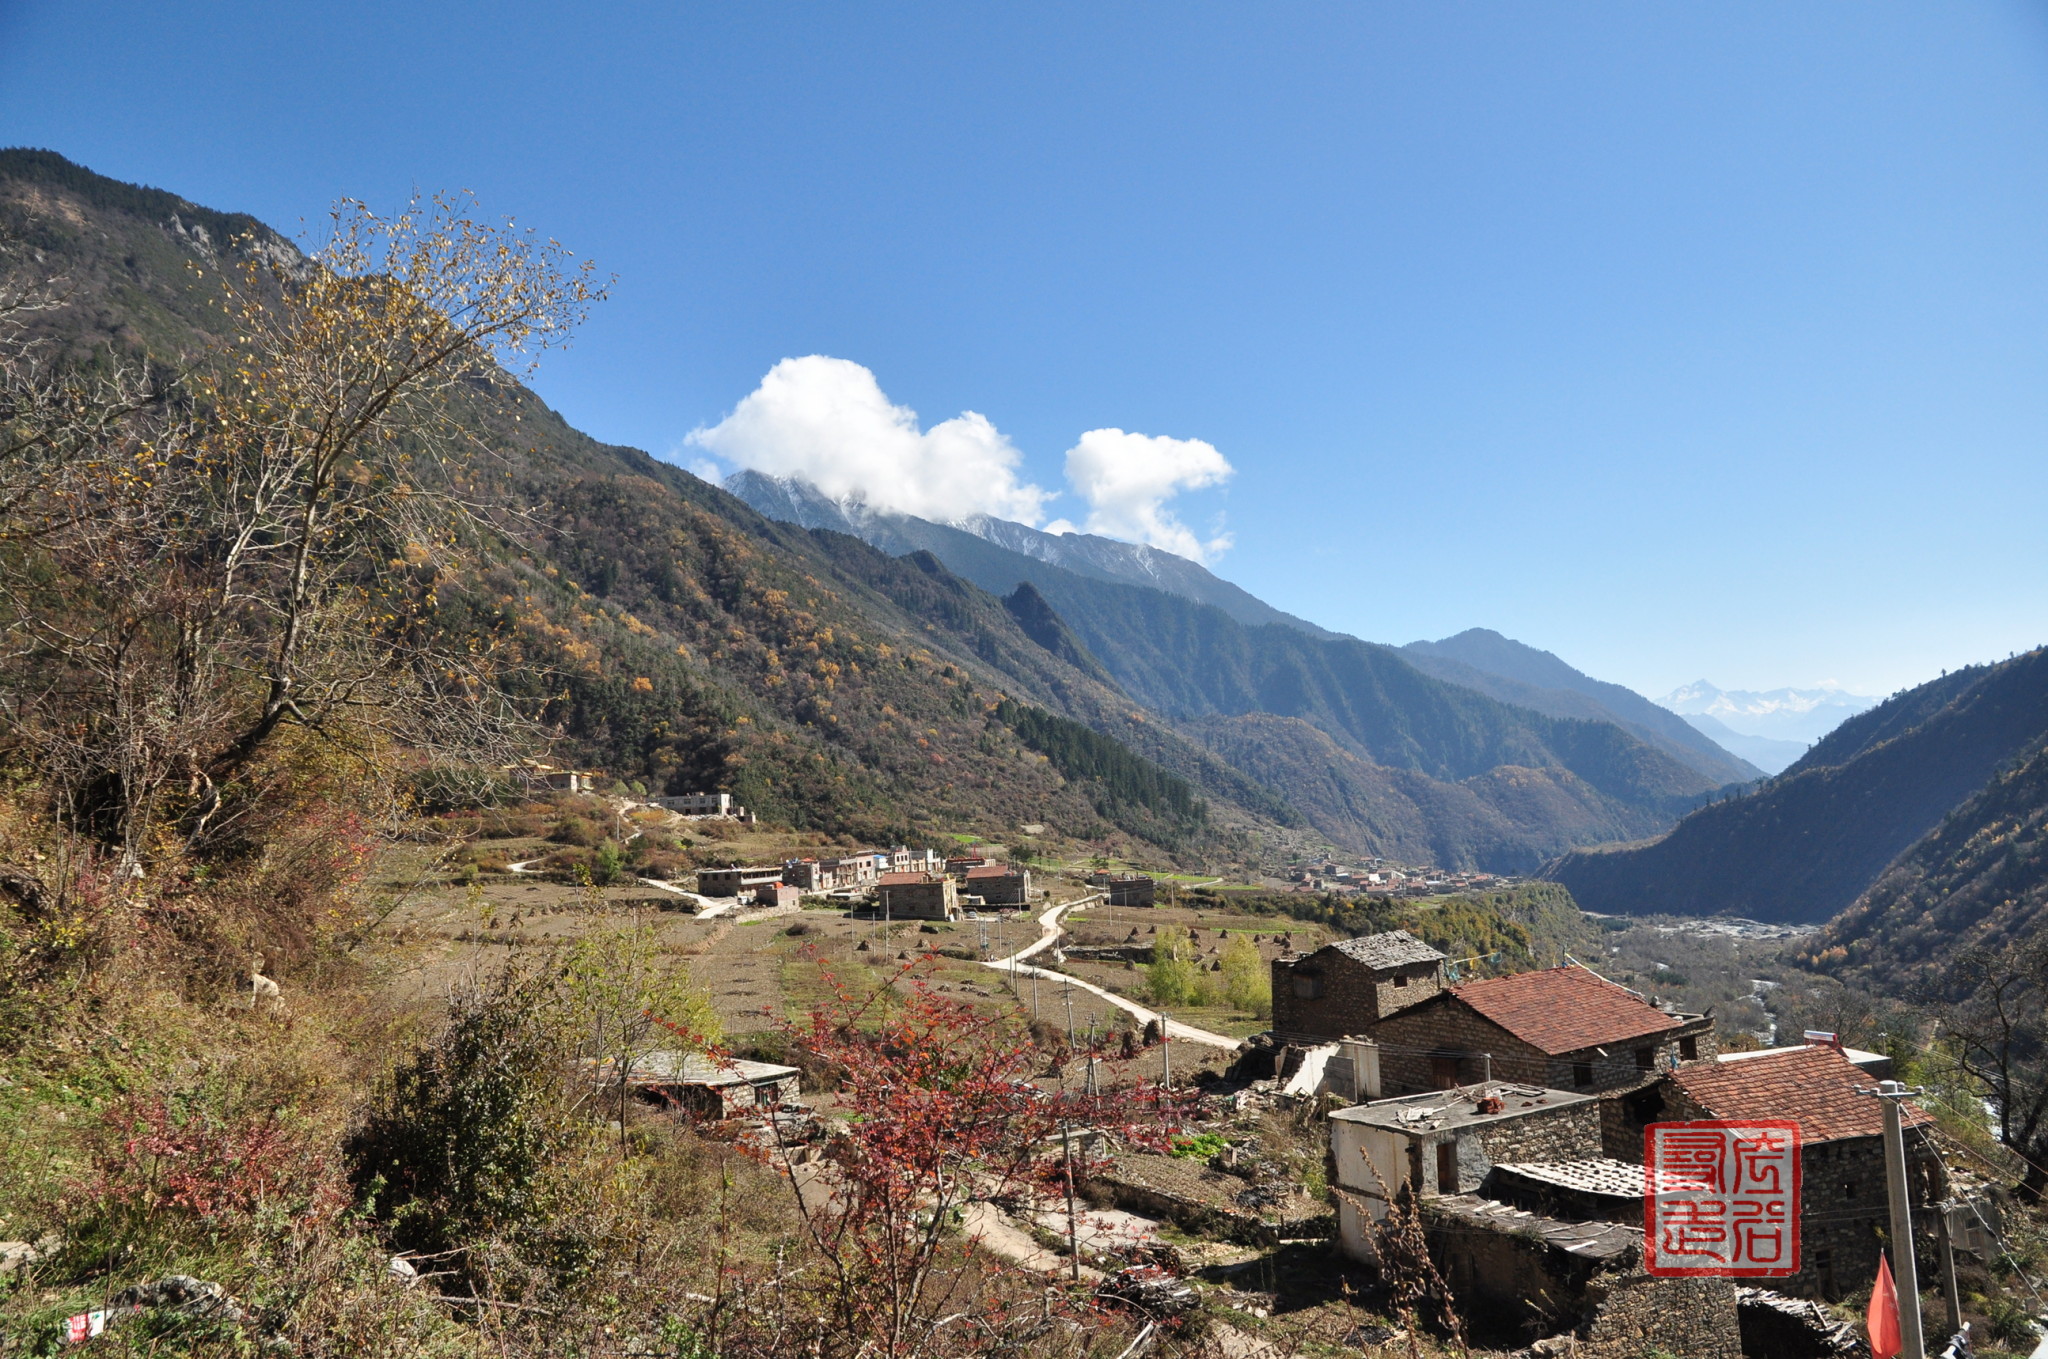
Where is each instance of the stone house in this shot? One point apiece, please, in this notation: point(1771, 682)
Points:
point(1516, 1275)
point(999, 884)
point(917, 896)
point(705, 1087)
point(734, 882)
point(1843, 1201)
point(1351, 986)
point(1125, 889)
point(1562, 1027)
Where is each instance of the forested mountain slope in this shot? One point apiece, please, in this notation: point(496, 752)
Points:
point(1811, 841)
point(661, 628)
point(1977, 881)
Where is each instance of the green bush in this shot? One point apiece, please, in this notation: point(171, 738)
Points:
point(1247, 982)
point(455, 1146)
point(1174, 976)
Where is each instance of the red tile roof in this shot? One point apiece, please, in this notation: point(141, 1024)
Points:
point(992, 871)
point(904, 879)
point(1815, 1085)
point(1564, 1009)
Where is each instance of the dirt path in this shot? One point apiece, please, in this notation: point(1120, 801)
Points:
point(1049, 922)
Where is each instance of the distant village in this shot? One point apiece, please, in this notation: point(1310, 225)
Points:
point(1378, 877)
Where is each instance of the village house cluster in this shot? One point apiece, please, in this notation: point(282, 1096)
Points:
point(1510, 1111)
point(1377, 877)
point(899, 883)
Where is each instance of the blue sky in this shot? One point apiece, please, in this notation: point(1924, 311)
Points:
point(1684, 341)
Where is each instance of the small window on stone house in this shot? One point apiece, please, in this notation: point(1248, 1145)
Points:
point(1848, 1189)
point(1689, 1048)
point(1646, 1059)
point(1307, 986)
point(1400, 979)
point(1582, 1074)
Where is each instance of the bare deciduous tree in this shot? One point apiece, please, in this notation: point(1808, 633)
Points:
point(1999, 1035)
point(205, 583)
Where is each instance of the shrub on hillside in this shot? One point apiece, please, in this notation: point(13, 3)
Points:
point(456, 1144)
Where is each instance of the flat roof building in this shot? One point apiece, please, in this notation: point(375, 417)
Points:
point(917, 896)
point(734, 882)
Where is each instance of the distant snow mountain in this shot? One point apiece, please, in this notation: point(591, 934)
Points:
point(796, 501)
point(1791, 715)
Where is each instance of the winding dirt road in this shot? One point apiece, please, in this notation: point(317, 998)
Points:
point(1049, 923)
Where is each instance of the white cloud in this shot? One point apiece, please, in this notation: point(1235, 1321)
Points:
point(826, 420)
point(1127, 480)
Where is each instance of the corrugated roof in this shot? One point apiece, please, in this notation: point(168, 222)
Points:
point(1617, 1179)
point(1395, 948)
point(673, 1068)
point(1815, 1085)
point(1564, 1009)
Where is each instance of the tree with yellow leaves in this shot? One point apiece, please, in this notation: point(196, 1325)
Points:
point(205, 576)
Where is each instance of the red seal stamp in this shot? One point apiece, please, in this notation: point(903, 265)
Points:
point(1721, 1197)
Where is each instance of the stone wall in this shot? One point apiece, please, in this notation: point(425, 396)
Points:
point(1439, 1044)
point(1567, 1134)
point(1509, 1289)
point(1448, 1043)
point(1638, 1314)
point(1344, 996)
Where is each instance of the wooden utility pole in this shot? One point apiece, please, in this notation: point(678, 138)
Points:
point(1073, 1220)
point(1165, 1051)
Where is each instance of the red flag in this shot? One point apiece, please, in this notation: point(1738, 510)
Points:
point(1884, 1313)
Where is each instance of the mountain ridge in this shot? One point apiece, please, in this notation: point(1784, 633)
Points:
point(1807, 844)
point(1409, 740)
point(1514, 672)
